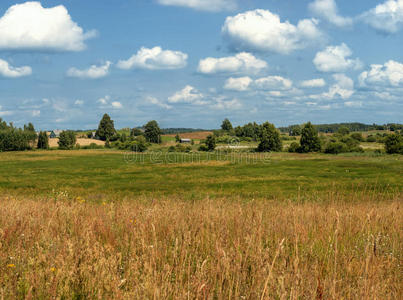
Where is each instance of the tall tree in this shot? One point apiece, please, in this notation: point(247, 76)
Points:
point(106, 129)
point(43, 140)
point(269, 138)
point(67, 140)
point(310, 141)
point(210, 142)
point(152, 132)
point(226, 125)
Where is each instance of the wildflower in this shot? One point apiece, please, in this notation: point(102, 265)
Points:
point(53, 269)
point(81, 200)
point(11, 266)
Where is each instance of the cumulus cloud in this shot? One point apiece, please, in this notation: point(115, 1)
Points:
point(386, 17)
point(105, 102)
point(273, 83)
point(206, 5)
point(155, 101)
point(388, 74)
point(313, 83)
point(238, 84)
point(79, 102)
point(93, 72)
point(13, 72)
point(188, 95)
point(223, 104)
point(242, 62)
point(154, 59)
point(36, 113)
point(29, 26)
point(116, 104)
point(335, 59)
point(327, 9)
point(262, 30)
point(343, 88)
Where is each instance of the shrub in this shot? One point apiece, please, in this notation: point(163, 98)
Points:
point(394, 144)
point(336, 148)
point(357, 136)
point(371, 139)
point(203, 148)
point(210, 143)
point(293, 147)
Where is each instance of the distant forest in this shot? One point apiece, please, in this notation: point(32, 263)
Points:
point(332, 128)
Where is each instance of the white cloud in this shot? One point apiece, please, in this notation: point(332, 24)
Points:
point(93, 72)
point(273, 83)
point(238, 84)
point(386, 17)
point(36, 113)
point(206, 5)
point(353, 104)
point(327, 9)
point(335, 59)
point(188, 95)
point(116, 104)
point(261, 30)
point(29, 26)
point(157, 102)
point(155, 59)
point(388, 74)
point(79, 102)
point(313, 83)
point(104, 100)
point(242, 62)
point(13, 72)
point(343, 88)
point(222, 104)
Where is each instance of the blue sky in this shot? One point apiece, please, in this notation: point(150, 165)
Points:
point(191, 63)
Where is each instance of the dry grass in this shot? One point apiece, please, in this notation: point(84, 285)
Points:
point(210, 249)
point(199, 135)
point(83, 142)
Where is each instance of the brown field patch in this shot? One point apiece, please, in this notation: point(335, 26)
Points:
point(199, 135)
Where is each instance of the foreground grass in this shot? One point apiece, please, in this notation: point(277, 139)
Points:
point(210, 249)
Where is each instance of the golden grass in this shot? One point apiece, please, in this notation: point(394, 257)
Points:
point(210, 249)
point(199, 135)
point(81, 141)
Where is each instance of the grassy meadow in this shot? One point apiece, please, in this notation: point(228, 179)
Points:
point(103, 224)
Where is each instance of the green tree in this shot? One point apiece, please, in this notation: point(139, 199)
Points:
point(135, 132)
point(177, 138)
point(310, 141)
point(152, 132)
point(269, 138)
point(67, 140)
point(394, 144)
point(106, 128)
point(343, 130)
point(226, 125)
point(210, 143)
point(29, 127)
point(43, 140)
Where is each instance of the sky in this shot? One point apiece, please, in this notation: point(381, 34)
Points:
point(192, 63)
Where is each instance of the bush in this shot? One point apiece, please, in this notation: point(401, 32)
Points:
point(210, 143)
point(371, 139)
point(13, 139)
point(43, 140)
point(293, 147)
point(203, 148)
point(394, 144)
point(357, 136)
point(336, 148)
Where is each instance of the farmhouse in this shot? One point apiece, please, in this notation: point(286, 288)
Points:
point(55, 134)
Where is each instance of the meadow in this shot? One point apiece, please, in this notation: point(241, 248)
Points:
point(103, 224)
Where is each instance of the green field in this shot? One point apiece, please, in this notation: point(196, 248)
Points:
point(101, 174)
